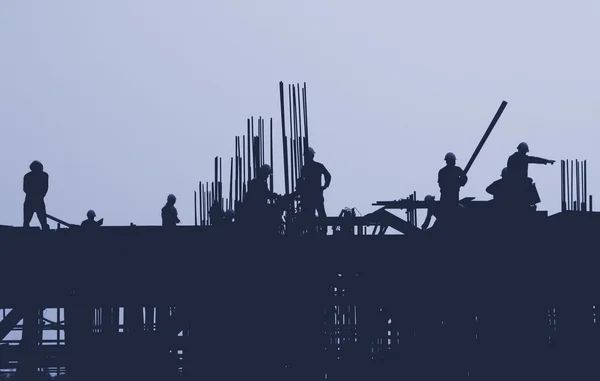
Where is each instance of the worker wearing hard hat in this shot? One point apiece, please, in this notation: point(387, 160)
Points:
point(91, 222)
point(521, 184)
point(450, 179)
point(311, 192)
point(518, 162)
point(35, 186)
point(432, 211)
point(258, 190)
point(169, 212)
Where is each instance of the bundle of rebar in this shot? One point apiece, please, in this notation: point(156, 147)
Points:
point(249, 156)
point(573, 186)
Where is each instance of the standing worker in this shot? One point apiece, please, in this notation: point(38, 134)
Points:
point(450, 179)
point(35, 186)
point(522, 185)
point(169, 212)
point(311, 192)
point(518, 162)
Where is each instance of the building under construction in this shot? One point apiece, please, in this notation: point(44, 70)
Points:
point(499, 296)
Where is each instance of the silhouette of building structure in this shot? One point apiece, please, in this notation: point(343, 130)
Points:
point(493, 295)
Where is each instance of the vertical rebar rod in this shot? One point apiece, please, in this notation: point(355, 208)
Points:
point(200, 203)
point(292, 158)
point(248, 154)
point(271, 153)
point(230, 206)
point(243, 165)
point(195, 209)
point(585, 182)
point(300, 142)
point(237, 169)
point(578, 182)
point(562, 185)
point(572, 176)
point(283, 137)
point(305, 116)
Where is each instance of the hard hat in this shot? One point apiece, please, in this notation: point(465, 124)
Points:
point(229, 213)
point(266, 169)
point(91, 213)
point(429, 198)
point(450, 156)
point(504, 172)
point(310, 151)
point(171, 197)
point(36, 165)
point(523, 147)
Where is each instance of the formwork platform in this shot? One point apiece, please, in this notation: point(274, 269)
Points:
point(486, 302)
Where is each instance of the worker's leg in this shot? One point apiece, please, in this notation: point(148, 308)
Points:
point(27, 213)
point(321, 211)
point(41, 214)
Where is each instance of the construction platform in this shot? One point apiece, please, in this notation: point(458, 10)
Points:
point(490, 301)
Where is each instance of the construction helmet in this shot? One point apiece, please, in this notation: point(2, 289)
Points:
point(230, 213)
point(310, 151)
point(91, 213)
point(36, 165)
point(171, 198)
point(266, 169)
point(523, 147)
point(450, 156)
point(429, 198)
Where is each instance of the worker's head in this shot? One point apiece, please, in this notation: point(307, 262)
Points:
point(450, 158)
point(309, 154)
point(523, 147)
point(91, 214)
point(36, 166)
point(171, 199)
point(504, 172)
point(429, 199)
point(264, 171)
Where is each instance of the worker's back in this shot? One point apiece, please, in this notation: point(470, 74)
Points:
point(169, 215)
point(35, 184)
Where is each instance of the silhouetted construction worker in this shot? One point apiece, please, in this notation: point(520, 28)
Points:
point(517, 173)
point(35, 186)
point(91, 222)
point(311, 189)
point(260, 215)
point(500, 189)
point(169, 212)
point(450, 179)
point(518, 162)
point(258, 190)
point(432, 211)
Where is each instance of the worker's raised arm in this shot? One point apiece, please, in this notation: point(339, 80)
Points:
point(538, 160)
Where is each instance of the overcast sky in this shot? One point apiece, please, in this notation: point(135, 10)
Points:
point(125, 101)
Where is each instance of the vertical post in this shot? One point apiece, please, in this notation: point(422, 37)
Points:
point(577, 181)
point(195, 209)
point(248, 154)
point(572, 198)
point(271, 152)
point(200, 203)
point(230, 206)
point(585, 181)
point(283, 137)
point(237, 153)
point(243, 165)
point(300, 142)
point(292, 158)
point(562, 186)
point(305, 116)
point(220, 197)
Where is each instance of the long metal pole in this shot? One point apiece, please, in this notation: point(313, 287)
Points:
point(283, 137)
point(485, 136)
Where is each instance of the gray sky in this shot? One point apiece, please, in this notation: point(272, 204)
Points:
point(125, 102)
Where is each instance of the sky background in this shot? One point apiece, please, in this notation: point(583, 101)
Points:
point(126, 101)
